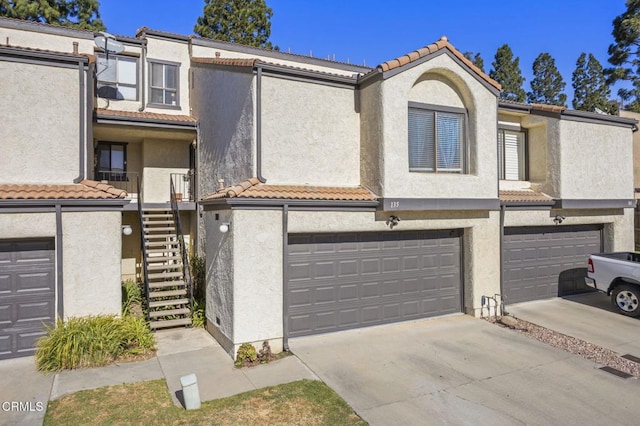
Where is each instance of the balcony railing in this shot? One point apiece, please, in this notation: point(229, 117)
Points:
point(121, 180)
point(184, 186)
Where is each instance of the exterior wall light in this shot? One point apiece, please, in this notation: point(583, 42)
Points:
point(393, 221)
point(558, 219)
point(224, 228)
point(127, 230)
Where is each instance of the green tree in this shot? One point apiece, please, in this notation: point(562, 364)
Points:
point(624, 54)
point(475, 59)
point(547, 85)
point(83, 14)
point(506, 71)
point(590, 88)
point(245, 22)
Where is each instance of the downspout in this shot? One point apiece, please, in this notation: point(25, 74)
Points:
point(143, 61)
point(83, 116)
point(502, 214)
point(59, 269)
point(259, 126)
point(285, 287)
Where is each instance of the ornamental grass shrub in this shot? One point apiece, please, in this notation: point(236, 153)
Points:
point(92, 341)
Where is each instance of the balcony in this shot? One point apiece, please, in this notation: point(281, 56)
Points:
point(158, 192)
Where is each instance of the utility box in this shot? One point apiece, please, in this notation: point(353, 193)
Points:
point(190, 392)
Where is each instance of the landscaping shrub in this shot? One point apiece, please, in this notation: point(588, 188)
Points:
point(131, 297)
point(198, 276)
point(92, 341)
point(198, 318)
point(248, 357)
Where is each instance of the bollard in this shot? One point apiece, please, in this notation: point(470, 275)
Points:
point(190, 392)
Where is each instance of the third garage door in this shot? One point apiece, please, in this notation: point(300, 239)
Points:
point(342, 281)
point(545, 262)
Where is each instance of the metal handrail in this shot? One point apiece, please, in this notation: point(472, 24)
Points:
point(185, 258)
point(144, 251)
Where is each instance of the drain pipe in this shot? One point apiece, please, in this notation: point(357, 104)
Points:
point(83, 117)
point(143, 61)
point(285, 286)
point(259, 125)
point(502, 214)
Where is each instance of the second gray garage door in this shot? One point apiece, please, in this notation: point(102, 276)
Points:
point(27, 294)
point(343, 281)
point(545, 262)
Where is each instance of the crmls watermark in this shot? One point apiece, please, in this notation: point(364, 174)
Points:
point(22, 406)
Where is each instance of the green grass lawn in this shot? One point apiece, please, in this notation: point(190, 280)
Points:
point(306, 402)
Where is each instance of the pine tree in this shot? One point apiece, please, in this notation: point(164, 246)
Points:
point(238, 21)
point(475, 59)
point(590, 88)
point(547, 85)
point(81, 14)
point(625, 56)
point(506, 71)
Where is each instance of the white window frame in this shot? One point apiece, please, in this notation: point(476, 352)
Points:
point(118, 83)
point(513, 150)
point(164, 90)
point(463, 140)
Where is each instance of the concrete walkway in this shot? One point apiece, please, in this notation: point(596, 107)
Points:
point(180, 352)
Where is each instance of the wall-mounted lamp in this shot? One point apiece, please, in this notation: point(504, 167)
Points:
point(393, 221)
point(558, 219)
point(224, 228)
point(127, 230)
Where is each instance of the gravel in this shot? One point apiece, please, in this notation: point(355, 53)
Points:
point(582, 348)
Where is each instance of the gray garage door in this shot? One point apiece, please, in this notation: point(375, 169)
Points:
point(26, 294)
point(343, 281)
point(545, 262)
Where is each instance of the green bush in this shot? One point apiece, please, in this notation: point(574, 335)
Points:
point(198, 276)
point(131, 297)
point(92, 341)
point(198, 317)
point(247, 355)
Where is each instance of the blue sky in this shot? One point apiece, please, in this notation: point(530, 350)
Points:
point(376, 30)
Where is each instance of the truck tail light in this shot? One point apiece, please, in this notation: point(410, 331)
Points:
point(590, 266)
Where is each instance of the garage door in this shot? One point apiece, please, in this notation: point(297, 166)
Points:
point(545, 262)
point(342, 281)
point(26, 294)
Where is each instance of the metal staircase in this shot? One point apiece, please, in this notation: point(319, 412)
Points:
point(167, 278)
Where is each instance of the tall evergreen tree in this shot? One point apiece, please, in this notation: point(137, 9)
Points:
point(506, 71)
point(245, 22)
point(475, 59)
point(590, 88)
point(547, 85)
point(624, 54)
point(83, 14)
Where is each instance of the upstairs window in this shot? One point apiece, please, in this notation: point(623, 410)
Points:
point(164, 84)
point(512, 154)
point(436, 139)
point(117, 77)
point(111, 161)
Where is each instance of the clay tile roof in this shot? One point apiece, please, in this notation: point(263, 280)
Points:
point(549, 108)
point(443, 43)
point(86, 190)
point(252, 188)
point(526, 196)
point(230, 62)
point(146, 116)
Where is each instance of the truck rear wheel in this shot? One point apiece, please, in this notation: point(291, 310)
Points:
point(625, 298)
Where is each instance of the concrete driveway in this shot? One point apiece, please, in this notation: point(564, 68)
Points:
point(24, 392)
point(462, 370)
point(588, 316)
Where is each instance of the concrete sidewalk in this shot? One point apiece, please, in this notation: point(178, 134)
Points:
point(180, 352)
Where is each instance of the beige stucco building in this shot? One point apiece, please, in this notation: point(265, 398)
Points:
point(322, 196)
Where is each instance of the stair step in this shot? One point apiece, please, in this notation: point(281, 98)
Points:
point(156, 215)
point(161, 244)
point(165, 284)
point(170, 323)
point(156, 210)
point(161, 250)
point(170, 302)
point(158, 222)
point(165, 275)
point(154, 259)
point(156, 267)
point(168, 293)
point(181, 311)
point(160, 229)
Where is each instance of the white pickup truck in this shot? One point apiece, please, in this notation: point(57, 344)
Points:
point(618, 275)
